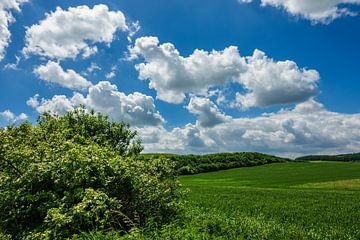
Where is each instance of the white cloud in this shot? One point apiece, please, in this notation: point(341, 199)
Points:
point(11, 117)
point(269, 82)
point(111, 74)
point(52, 72)
point(306, 129)
point(136, 108)
point(58, 105)
point(6, 19)
point(172, 75)
point(207, 112)
point(7, 114)
point(324, 11)
point(187, 139)
point(33, 101)
point(93, 67)
point(68, 33)
point(22, 116)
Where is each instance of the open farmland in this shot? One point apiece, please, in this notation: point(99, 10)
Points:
point(315, 200)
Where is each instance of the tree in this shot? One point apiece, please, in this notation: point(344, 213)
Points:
point(80, 172)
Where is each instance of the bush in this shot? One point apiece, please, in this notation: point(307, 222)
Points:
point(80, 173)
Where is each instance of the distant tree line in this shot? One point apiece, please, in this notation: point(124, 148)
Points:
point(192, 164)
point(352, 157)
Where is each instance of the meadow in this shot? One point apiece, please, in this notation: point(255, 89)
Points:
point(310, 200)
point(295, 200)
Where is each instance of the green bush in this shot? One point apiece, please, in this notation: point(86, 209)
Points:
point(80, 173)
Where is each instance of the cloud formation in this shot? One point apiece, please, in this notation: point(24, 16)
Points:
point(324, 11)
point(307, 128)
point(11, 117)
point(262, 78)
point(208, 114)
point(6, 18)
point(104, 97)
point(52, 72)
point(68, 33)
point(268, 82)
point(173, 75)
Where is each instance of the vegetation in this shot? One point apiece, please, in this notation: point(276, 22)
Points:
point(340, 158)
point(264, 202)
point(192, 164)
point(81, 176)
point(80, 173)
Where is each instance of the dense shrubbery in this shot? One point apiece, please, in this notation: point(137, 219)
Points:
point(79, 173)
point(192, 164)
point(352, 157)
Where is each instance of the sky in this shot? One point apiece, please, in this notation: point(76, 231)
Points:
point(273, 76)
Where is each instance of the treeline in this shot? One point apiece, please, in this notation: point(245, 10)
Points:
point(192, 164)
point(351, 157)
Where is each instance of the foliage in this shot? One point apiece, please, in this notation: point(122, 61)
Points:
point(192, 164)
point(351, 157)
point(80, 173)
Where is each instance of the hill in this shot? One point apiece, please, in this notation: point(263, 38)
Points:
point(351, 157)
point(294, 200)
point(192, 164)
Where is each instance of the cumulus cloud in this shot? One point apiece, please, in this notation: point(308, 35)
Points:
point(208, 114)
point(58, 105)
point(33, 101)
point(52, 72)
point(68, 33)
point(104, 97)
point(184, 140)
point(268, 82)
point(262, 78)
point(307, 128)
point(11, 117)
point(6, 19)
point(324, 11)
point(173, 75)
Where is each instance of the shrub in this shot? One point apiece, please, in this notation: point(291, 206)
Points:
point(80, 173)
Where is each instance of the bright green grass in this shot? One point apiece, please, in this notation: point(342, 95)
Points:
point(283, 175)
point(270, 201)
point(278, 201)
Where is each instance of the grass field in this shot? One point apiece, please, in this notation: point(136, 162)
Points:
point(298, 200)
point(313, 200)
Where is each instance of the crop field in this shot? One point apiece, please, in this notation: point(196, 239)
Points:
point(311, 200)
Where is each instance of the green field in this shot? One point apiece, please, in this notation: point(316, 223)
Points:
point(294, 200)
point(312, 200)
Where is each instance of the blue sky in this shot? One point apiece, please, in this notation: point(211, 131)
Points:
point(245, 103)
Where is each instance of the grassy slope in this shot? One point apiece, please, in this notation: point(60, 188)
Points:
point(269, 202)
point(277, 175)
